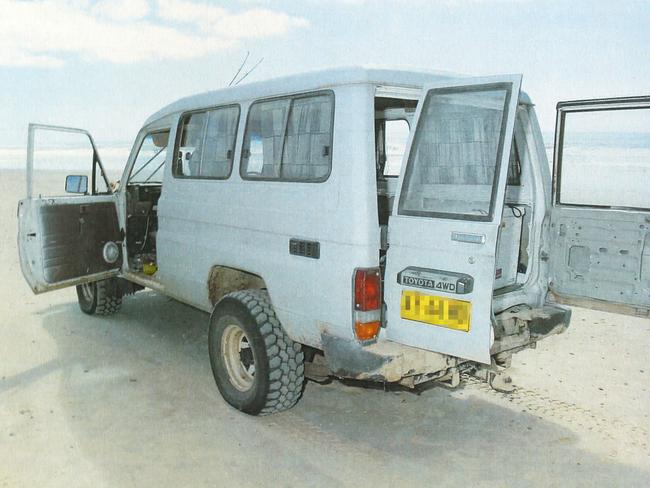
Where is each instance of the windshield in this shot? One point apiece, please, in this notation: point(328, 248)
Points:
point(148, 166)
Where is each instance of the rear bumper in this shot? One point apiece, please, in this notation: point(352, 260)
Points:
point(386, 361)
point(520, 327)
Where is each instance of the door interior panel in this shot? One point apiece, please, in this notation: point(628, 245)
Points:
point(600, 222)
point(73, 237)
point(601, 254)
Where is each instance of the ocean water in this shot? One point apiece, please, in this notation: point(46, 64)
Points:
point(599, 168)
point(67, 156)
point(605, 169)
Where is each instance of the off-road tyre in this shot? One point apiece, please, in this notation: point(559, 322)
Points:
point(278, 378)
point(100, 297)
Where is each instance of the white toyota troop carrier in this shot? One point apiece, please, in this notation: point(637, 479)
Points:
point(371, 224)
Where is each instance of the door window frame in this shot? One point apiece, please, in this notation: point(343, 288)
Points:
point(31, 131)
point(508, 88)
point(578, 106)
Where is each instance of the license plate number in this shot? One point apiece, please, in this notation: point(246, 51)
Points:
point(436, 310)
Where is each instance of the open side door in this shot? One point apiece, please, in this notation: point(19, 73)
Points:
point(600, 219)
point(62, 239)
point(440, 264)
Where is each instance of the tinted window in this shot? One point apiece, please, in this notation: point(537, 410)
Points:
point(207, 143)
point(289, 139)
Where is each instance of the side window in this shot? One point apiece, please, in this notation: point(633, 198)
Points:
point(148, 165)
point(207, 143)
point(396, 134)
point(604, 158)
point(289, 139)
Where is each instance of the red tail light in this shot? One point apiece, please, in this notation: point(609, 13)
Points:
point(367, 289)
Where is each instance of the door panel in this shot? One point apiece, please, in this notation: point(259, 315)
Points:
point(600, 222)
point(443, 232)
point(600, 254)
point(73, 236)
point(61, 240)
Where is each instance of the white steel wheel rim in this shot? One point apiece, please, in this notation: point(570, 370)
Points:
point(238, 357)
point(88, 292)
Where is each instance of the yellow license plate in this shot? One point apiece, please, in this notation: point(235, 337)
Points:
point(434, 310)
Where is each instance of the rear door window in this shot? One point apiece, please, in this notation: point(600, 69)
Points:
point(452, 166)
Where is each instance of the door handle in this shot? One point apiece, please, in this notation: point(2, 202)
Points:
point(467, 237)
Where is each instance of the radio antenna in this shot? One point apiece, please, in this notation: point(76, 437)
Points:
point(240, 68)
point(249, 71)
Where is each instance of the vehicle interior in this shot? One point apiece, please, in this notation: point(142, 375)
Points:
point(393, 118)
point(143, 190)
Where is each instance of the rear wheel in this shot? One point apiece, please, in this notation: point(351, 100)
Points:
point(99, 297)
point(257, 368)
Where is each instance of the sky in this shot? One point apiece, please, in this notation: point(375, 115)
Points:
point(107, 65)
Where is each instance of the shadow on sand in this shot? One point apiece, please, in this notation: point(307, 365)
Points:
point(144, 408)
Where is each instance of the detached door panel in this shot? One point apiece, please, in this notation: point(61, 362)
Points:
point(600, 222)
point(443, 231)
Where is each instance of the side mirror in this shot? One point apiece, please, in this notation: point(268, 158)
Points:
point(76, 184)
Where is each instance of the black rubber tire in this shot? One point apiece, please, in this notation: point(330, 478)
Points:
point(106, 297)
point(279, 362)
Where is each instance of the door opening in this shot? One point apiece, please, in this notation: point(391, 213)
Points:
point(143, 190)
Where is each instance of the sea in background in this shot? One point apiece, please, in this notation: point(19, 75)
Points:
point(68, 156)
point(600, 168)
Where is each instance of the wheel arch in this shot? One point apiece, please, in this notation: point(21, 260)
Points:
point(223, 280)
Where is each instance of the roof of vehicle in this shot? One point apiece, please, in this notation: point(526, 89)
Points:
point(310, 81)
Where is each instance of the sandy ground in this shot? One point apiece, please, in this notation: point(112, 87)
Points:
point(130, 401)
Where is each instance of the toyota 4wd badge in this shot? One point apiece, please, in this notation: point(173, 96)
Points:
point(435, 279)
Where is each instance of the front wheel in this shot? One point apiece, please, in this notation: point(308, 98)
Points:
point(99, 297)
point(257, 367)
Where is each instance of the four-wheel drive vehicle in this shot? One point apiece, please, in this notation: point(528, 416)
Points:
point(285, 209)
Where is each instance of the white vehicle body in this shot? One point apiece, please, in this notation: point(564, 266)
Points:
point(303, 238)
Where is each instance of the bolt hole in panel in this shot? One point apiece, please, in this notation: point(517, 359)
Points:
point(588, 265)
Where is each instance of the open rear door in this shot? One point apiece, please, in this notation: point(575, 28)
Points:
point(600, 222)
point(443, 231)
point(62, 240)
